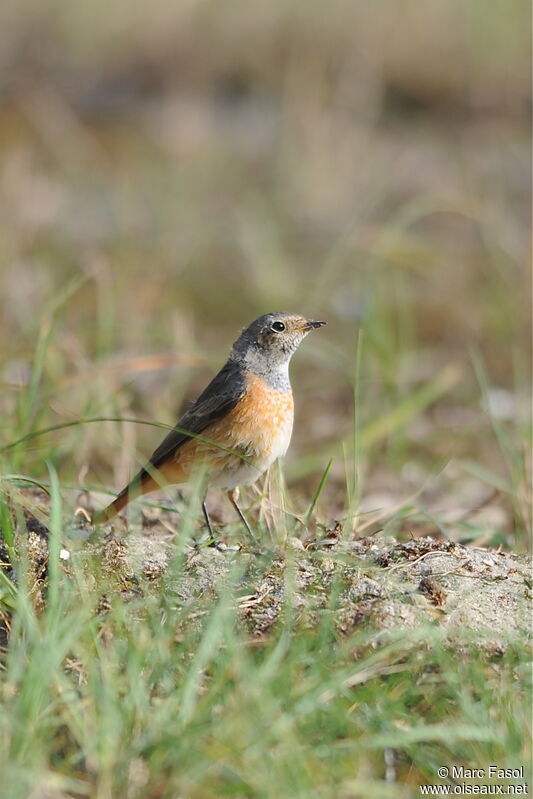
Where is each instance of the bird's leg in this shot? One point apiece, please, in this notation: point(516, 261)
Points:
point(233, 496)
point(213, 542)
point(207, 518)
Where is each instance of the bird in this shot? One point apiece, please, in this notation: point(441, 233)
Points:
point(239, 425)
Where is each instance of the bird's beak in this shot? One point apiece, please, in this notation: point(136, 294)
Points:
point(310, 324)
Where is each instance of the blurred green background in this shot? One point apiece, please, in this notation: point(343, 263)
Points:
point(169, 171)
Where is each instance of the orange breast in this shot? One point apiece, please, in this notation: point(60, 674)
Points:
point(257, 422)
point(258, 428)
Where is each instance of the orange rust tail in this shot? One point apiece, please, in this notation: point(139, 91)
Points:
point(133, 490)
point(170, 473)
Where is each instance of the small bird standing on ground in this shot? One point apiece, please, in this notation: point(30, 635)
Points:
point(240, 423)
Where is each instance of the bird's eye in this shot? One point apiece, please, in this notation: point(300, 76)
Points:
point(279, 327)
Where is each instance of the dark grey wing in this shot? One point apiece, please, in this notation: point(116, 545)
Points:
point(218, 399)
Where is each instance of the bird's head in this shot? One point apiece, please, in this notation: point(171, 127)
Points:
point(271, 340)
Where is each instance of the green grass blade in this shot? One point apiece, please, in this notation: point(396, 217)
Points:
point(318, 492)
